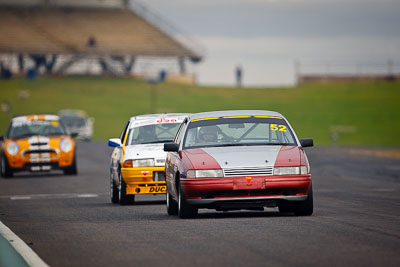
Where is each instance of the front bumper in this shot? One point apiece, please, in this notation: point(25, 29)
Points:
point(50, 162)
point(231, 192)
point(144, 180)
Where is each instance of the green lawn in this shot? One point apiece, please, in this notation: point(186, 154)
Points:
point(372, 110)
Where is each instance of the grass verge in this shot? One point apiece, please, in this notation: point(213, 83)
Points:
point(360, 113)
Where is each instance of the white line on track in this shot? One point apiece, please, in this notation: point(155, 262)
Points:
point(30, 257)
point(88, 195)
point(52, 196)
point(20, 197)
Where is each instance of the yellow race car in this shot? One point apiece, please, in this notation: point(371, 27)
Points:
point(137, 162)
point(37, 143)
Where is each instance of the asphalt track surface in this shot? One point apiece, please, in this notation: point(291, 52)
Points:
point(69, 220)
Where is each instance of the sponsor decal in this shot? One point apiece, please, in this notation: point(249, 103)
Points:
point(158, 189)
point(164, 120)
point(235, 117)
point(248, 179)
point(214, 118)
point(145, 172)
point(268, 117)
point(18, 123)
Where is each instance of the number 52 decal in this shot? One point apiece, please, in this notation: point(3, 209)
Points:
point(276, 127)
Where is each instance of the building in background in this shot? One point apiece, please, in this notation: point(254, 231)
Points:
point(94, 37)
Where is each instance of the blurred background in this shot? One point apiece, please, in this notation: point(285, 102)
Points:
point(275, 41)
point(331, 67)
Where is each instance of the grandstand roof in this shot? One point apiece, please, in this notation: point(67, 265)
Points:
point(57, 30)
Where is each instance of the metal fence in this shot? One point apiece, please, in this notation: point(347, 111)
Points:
point(347, 67)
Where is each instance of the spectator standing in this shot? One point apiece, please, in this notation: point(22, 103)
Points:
point(92, 43)
point(239, 75)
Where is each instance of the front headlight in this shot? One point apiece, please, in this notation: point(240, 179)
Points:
point(12, 148)
point(143, 163)
point(65, 145)
point(290, 170)
point(205, 173)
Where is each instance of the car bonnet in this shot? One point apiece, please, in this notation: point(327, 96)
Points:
point(145, 151)
point(243, 156)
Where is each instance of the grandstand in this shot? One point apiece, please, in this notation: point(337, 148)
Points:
point(58, 34)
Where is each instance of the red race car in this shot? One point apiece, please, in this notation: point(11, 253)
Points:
point(232, 160)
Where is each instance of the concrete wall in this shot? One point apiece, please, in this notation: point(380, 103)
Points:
point(345, 78)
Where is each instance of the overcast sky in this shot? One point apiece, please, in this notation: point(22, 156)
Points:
point(267, 36)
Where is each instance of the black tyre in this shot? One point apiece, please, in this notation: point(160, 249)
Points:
point(124, 199)
point(71, 170)
point(185, 210)
point(113, 189)
point(306, 207)
point(285, 208)
point(172, 206)
point(5, 169)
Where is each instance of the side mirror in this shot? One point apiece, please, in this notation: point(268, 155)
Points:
point(73, 135)
point(307, 142)
point(171, 147)
point(114, 142)
point(1, 138)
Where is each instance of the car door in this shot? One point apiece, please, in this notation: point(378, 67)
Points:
point(173, 161)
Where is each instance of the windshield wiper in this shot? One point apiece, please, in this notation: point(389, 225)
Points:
point(253, 144)
point(236, 144)
point(158, 141)
point(280, 144)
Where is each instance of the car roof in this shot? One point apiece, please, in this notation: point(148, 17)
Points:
point(160, 115)
point(36, 117)
point(225, 113)
point(149, 119)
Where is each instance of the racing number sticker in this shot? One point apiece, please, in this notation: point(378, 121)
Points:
point(276, 127)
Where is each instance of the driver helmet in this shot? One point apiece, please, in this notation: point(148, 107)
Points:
point(209, 133)
point(147, 132)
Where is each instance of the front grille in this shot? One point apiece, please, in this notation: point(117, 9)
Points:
point(39, 144)
point(251, 193)
point(38, 151)
point(248, 171)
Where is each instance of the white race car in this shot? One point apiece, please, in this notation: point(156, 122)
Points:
point(138, 159)
point(77, 123)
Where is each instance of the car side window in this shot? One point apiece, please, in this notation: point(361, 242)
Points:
point(124, 132)
point(178, 137)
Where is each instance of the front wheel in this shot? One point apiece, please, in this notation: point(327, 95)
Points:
point(124, 199)
point(71, 170)
point(5, 169)
point(185, 210)
point(172, 206)
point(306, 207)
point(113, 189)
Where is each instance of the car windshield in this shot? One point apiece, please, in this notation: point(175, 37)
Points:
point(238, 131)
point(154, 133)
point(72, 121)
point(21, 129)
